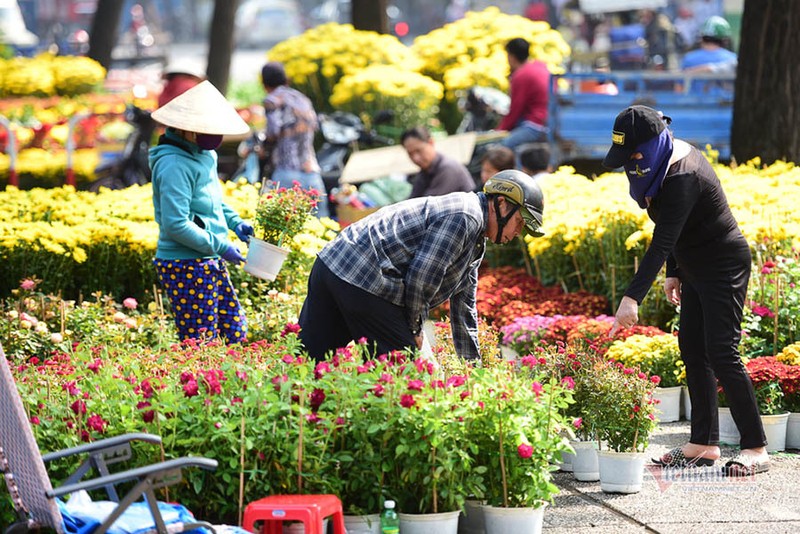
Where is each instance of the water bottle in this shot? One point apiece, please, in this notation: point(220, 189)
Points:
point(390, 524)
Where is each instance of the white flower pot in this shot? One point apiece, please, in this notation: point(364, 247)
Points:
point(471, 520)
point(501, 520)
point(793, 431)
point(363, 524)
point(728, 433)
point(264, 260)
point(621, 472)
point(443, 523)
point(584, 465)
point(566, 462)
point(775, 431)
point(687, 403)
point(668, 409)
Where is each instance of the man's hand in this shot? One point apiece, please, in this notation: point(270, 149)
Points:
point(627, 315)
point(672, 288)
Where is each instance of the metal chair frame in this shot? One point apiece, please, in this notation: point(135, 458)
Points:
point(31, 489)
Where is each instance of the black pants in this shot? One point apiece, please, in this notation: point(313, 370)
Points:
point(710, 331)
point(335, 313)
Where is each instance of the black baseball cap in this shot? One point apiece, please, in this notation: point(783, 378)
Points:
point(632, 127)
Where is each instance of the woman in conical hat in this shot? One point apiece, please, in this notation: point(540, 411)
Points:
point(193, 221)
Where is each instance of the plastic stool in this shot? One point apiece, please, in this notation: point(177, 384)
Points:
point(310, 509)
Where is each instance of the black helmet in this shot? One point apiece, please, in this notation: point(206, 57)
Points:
point(523, 191)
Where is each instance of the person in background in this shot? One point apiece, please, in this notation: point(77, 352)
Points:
point(380, 277)
point(439, 174)
point(714, 54)
point(660, 36)
point(708, 267)
point(179, 78)
point(526, 120)
point(291, 123)
point(497, 158)
point(535, 161)
point(193, 221)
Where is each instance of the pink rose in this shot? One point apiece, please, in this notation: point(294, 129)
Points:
point(407, 401)
point(130, 303)
point(27, 284)
point(525, 451)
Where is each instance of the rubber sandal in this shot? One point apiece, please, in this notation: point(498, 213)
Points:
point(744, 466)
point(675, 459)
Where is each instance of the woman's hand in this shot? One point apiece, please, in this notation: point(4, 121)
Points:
point(627, 315)
point(672, 287)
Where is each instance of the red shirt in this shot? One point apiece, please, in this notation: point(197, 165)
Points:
point(529, 94)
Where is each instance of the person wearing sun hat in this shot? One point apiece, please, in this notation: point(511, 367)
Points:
point(193, 221)
point(707, 270)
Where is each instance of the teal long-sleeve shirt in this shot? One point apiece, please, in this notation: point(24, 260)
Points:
point(193, 220)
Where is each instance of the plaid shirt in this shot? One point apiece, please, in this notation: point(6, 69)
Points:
point(417, 254)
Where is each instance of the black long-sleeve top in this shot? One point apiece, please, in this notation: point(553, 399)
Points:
point(693, 224)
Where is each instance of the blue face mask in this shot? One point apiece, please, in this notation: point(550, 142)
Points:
point(647, 174)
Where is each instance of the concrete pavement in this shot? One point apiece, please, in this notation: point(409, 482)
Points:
point(700, 502)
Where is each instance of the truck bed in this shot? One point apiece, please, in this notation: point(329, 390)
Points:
point(701, 107)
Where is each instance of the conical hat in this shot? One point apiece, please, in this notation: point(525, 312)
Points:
point(201, 109)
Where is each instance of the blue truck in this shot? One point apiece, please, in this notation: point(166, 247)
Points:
point(583, 108)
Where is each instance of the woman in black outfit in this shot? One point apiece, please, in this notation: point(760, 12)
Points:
point(708, 267)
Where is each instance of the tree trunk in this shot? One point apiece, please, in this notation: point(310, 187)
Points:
point(766, 108)
point(370, 15)
point(104, 30)
point(220, 43)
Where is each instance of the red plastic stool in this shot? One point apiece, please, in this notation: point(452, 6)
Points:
point(310, 509)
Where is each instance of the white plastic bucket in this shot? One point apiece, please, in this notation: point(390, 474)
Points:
point(443, 523)
point(517, 520)
point(584, 465)
point(264, 260)
point(668, 409)
point(621, 472)
point(775, 431)
point(362, 524)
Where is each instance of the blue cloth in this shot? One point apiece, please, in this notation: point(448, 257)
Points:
point(202, 298)
point(137, 519)
point(647, 174)
point(417, 254)
point(307, 180)
point(193, 220)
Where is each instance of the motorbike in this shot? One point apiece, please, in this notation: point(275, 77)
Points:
point(342, 133)
point(132, 166)
point(483, 108)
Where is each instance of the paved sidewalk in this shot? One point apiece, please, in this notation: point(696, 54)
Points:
point(768, 503)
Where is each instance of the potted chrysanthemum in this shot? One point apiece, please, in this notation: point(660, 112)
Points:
point(280, 215)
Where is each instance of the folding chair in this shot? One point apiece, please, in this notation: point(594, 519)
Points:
point(32, 493)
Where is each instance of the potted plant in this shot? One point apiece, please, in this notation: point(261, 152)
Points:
point(570, 367)
point(656, 356)
point(280, 215)
point(517, 437)
point(622, 408)
point(790, 385)
point(432, 454)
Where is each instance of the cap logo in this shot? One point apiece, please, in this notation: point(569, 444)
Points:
point(618, 138)
point(504, 188)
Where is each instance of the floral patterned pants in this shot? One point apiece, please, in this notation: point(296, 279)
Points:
point(202, 299)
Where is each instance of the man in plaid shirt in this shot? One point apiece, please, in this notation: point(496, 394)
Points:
point(381, 275)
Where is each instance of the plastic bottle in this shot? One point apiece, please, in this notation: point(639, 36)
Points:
point(390, 524)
